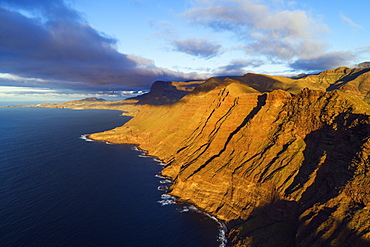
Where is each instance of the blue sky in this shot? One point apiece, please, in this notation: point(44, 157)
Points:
point(64, 49)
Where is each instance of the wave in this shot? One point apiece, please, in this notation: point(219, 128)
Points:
point(186, 208)
point(158, 161)
point(143, 153)
point(221, 225)
point(85, 138)
point(167, 200)
point(163, 187)
point(110, 143)
point(170, 200)
point(168, 197)
point(166, 181)
point(163, 177)
point(144, 156)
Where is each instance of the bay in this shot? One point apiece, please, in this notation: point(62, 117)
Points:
point(57, 189)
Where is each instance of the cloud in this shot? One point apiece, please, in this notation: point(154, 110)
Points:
point(225, 15)
point(237, 67)
point(50, 41)
point(326, 61)
point(278, 34)
point(52, 9)
point(197, 47)
point(349, 21)
point(14, 93)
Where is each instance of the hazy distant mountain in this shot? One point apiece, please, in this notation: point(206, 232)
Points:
point(364, 65)
point(93, 99)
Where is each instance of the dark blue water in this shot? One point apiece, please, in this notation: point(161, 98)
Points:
point(58, 190)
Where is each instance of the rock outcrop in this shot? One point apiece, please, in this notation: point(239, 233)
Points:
point(166, 92)
point(283, 168)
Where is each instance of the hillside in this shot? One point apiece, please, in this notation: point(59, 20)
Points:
point(354, 81)
point(166, 92)
point(282, 164)
point(129, 107)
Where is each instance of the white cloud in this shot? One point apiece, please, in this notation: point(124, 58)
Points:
point(198, 47)
point(350, 21)
point(238, 67)
point(329, 60)
point(280, 34)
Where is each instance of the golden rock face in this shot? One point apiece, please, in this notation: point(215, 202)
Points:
point(282, 169)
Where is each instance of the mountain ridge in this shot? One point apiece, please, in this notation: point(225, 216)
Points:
point(258, 160)
point(166, 92)
point(283, 161)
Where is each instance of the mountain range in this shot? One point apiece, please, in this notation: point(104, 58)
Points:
point(283, 161)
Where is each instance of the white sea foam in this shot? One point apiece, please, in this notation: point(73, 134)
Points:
point(159, 161)
point(163, 177)
point(184, 209)
point(166, 181)
point(84, 137)
point(110, 143)
point(167, 200)
point(168, 197)
point(221, 225)
point(144, 156)
point(162, 187)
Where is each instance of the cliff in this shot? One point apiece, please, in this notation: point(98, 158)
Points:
point(284, 168)
point(166, 92)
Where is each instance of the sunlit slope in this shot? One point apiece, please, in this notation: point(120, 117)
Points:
point(288, 163)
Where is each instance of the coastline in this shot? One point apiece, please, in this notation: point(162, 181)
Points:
point(126, 107)
point(167, 198)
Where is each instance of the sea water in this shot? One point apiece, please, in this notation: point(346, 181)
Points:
point(57, 189)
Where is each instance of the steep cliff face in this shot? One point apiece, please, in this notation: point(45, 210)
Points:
point(355, 81)
point(282, 169)
point(166, 92)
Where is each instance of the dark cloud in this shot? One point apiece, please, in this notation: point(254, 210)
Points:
point(323, 62)
point(198, 47)
point(237, 67)
point(55, 44)
point(51, 9)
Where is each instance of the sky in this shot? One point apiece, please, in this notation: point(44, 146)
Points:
point(54, 50)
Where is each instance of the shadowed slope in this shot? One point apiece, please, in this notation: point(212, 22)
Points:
point(287, 166)
point(166, 92)
point(231, 152)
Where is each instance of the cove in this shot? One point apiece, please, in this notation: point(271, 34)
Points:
point(57, 189)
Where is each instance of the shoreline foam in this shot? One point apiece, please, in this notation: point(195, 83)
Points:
point(169, 199)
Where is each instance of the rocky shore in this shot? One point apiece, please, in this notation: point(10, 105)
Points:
point(284, 167)
point(282, 161)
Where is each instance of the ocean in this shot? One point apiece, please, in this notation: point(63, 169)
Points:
point(59, 189)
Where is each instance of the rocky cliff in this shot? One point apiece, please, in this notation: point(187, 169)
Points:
point(166, 92)
point(284, 168)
